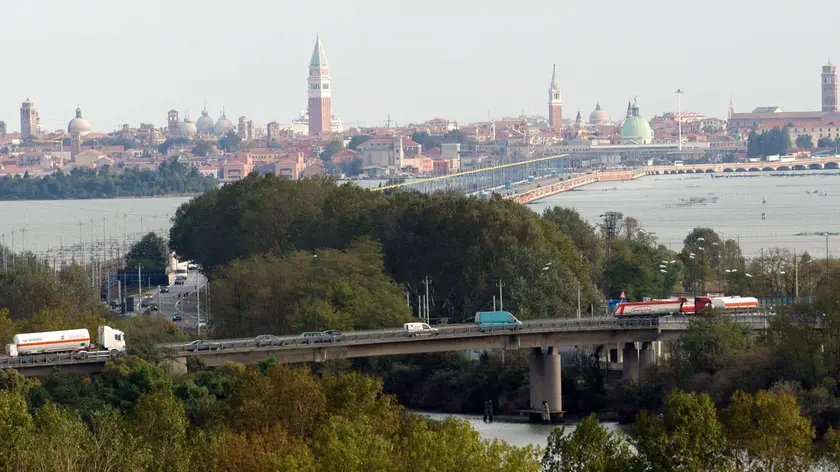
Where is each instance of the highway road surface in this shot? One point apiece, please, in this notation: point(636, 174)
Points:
point(181, 301)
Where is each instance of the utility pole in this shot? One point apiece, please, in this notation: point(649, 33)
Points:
point(426, 281)
point(139, 284)
point(198, 306)
point(578, 287)
point(81, 246)
point(679, 93)
point(315, 288)
point(796, 276)
point(501, 284)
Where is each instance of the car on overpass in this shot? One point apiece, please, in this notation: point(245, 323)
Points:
point(268, 340)
point(202, 345)
point(329, 336)
point(164, 289)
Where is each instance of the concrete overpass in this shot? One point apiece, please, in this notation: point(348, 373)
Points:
point(634, 337)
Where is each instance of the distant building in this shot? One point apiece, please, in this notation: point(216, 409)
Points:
point(555, 102)
point(2, 129)
point(829, 87)
point(762, 116)
point(636, 129)
point(28, 120)
point(382, 155)
point(320, 95)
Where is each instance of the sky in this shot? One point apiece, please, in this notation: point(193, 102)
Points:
point(466, 60)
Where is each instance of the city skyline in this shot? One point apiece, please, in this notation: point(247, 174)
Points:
point(132, 68)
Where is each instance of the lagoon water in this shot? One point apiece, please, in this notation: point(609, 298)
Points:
point(795, 210)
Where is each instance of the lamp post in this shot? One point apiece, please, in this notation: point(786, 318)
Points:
point(826, 257)
point(665, 269)
point(702, 270)
point(679, 93)
point(693, 258)
point(315, 288)
point(728, 271)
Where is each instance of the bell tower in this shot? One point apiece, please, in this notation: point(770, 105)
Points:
point(555, 102)
point(320, 105)
point(829, 87)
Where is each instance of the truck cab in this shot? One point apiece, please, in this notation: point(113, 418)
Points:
point(703, 305)
point(111, 340)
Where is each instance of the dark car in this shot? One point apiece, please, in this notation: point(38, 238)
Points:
point(268, 340)
point(180, 281)
point(164, 290)
point(176, 318)
point(321, 336)
point(202, 345)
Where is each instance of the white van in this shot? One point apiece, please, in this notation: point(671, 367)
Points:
point(418, 329)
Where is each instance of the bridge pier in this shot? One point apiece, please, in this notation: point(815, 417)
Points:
point(630, 364)
point(176, 365)
point(545, 374)
point(637, 360)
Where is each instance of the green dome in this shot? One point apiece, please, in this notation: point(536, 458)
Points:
point(636, 130)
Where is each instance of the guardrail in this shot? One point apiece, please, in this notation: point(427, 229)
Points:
point(461, 331)
point(53, 359)
point(444, 332)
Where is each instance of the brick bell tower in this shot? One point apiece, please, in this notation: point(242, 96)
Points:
point(320, 106)
point(829, 87)
point(555, 102)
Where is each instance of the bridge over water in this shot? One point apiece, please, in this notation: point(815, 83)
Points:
point(634, 337)
point(487, 178)
point(763, 166)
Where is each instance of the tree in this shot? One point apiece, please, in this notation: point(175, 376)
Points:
point(767, 432)
point(59, 442)
point(688, 438)
point(804, 141)
point(333, 147)
point(355, 141)
point(202, 148)
point(150, 252)
point(15, 423)
point(260, 295)
point(159, 419)
point(826, 142)
point(589, 448)
point(229, 142)
point(170, 142)
point(352, 168)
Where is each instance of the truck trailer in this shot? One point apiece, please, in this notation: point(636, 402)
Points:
point(681, 306)
point(497, 319)
point(75, 341)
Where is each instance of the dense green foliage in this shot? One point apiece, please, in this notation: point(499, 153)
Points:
point(151, 252)
point(133, 417)
point(464, 245)
point(270, 295)
point(170, 178)
point(773, 142)
point(804, 141)
point(761, 432)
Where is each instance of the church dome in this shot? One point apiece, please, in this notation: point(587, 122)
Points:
point(79, 125)
point(205, 124)
point(188, 129)
point(636, 130)
point(599, 116)
point(223, 126)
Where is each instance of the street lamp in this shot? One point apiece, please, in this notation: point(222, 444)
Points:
point(679, 93)
point(702, 269)
point(315, 288)
point(693, 258)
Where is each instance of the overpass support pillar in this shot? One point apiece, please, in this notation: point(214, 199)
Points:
point(536, 374)
point(647, 357)
point(176, 365)
point(631, 361)
point(545, 373)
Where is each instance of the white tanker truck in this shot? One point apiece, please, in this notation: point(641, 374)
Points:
point(76, 341)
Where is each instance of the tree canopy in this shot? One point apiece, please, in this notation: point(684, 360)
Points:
point(170, 178)
point(152, 252)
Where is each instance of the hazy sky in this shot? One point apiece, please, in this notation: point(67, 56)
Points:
point(132, 61)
